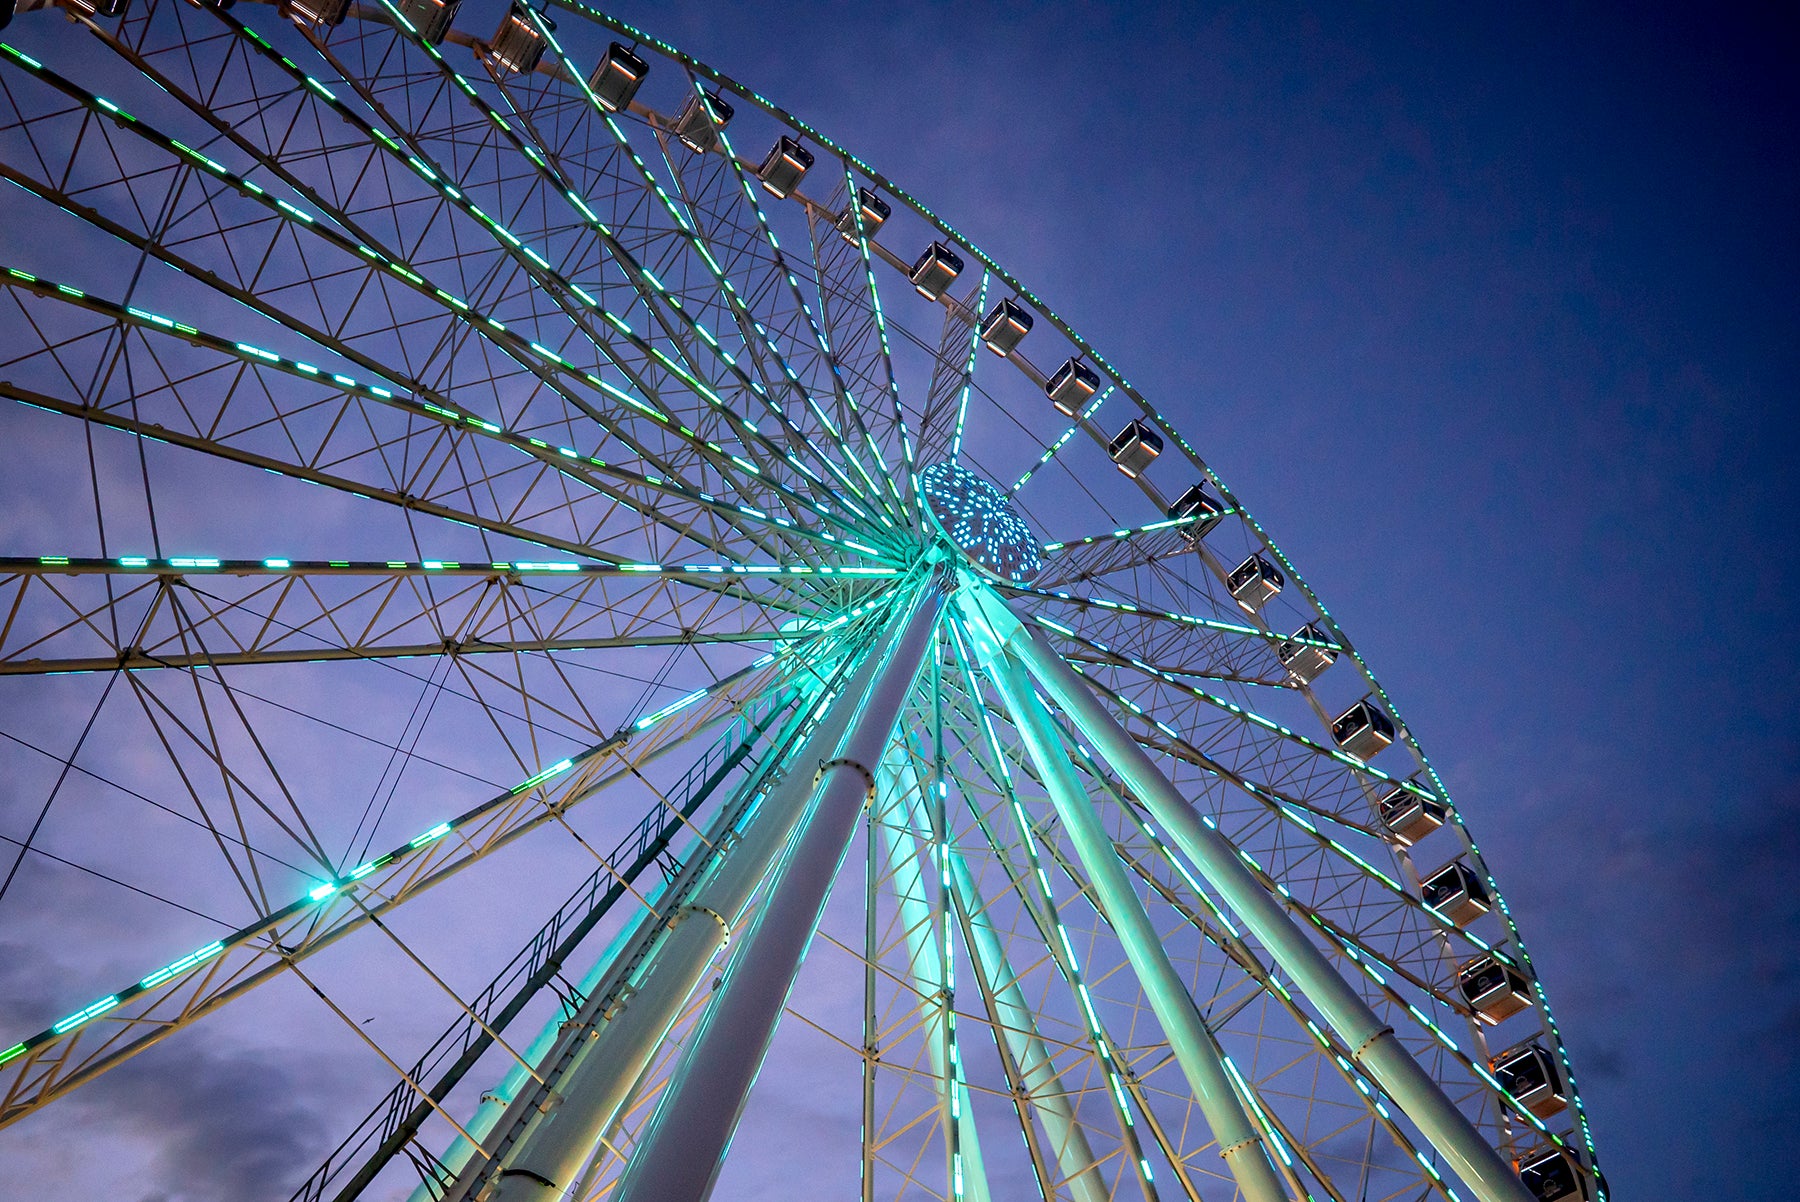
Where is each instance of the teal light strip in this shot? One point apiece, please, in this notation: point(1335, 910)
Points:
point(64, 565)
point(1133, 531)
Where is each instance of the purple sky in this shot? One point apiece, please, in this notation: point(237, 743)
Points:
point(1491, 319)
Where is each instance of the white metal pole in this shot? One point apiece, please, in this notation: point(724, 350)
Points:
point(925, 954)
point(1482, 1168)
point(679, 1156)
point(596, 1059)
point(1039, 1080)
point(1240, 1142)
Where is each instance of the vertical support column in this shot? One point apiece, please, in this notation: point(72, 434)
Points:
point(683, 1148)
point(925, 953)
point(1240, 1143)
point(1038, 1079)
point(544, 1138)
point(1487, 1174)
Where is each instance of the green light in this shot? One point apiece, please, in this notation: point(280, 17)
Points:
point(276, 563)
point(17, 1049)
point(81, 1016)
point(435, 833)
point(541, 777)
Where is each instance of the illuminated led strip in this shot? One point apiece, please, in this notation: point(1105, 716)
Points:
point(513, 246)
point(968, 372)
point(124, 564)
point(841, 387)
point(562, 458)
point(1051, 450)
point(564, 188)
point(1366, 961)
point(1167, 616)
point(887, 359)
point(733, 298)
point(1132, 532)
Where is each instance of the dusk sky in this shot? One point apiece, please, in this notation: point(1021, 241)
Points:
point(1491, 315)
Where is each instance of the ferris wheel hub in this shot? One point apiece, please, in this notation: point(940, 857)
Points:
point(978, 520)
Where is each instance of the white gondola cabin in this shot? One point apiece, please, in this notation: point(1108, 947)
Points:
point(1550, 1175)
point(1196, 503)
point(1301, 657)
point(873, 209)
point(1254, 582)
point(935, 271)
point(1363, 730)
point(517, 44)
point(617, 78)
point(784, 167)
point(1409, 816)
point(1528, 1073)
point(1005, 327)
point(312, 12)
point(1134, 448)
point(1457, 892)
point(1494, 990)
point(700, 120)
point(1072, 387)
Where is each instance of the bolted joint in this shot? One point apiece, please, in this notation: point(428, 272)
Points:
point(1239, 1146)
point(683, 914)
point(1366, 1044)
point(861, 769)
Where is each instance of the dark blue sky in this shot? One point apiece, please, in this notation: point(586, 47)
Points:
point(1491, 316)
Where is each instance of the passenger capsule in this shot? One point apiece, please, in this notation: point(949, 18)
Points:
point(1363, 730)
point(616, 80)
point(874, 211)
point(1550, 1175)
point(1254, 582)
point(1005, 327)
point(430, 17)
point(1300, 657)
point(1198, 504)
point(517, 45)
point(935, 271)
point(1410, 817)
point(1528, 1073)
point(698, 131)
point(1456, 892)
point(1495, 991)
point(786, 165)
point(1072, 387)
point(1134, 447)
point(313, 12)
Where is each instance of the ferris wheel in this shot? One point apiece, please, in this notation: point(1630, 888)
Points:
point(710, 548)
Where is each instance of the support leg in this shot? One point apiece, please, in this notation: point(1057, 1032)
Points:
point(683, 1148)
point(1240, 1141)
point(539, 1146)
point(1487, 1174)
point(925, 953)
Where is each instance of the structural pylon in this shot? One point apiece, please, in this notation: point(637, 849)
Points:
point(1487, 1174)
